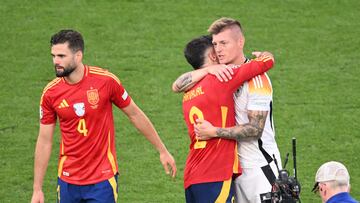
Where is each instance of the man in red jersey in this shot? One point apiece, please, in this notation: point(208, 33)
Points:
point(211, 164)
point(254, 132)
point(81, 97)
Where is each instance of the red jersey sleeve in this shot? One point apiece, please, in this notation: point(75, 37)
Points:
point(47, 112)
point(249, 70)
point(119, 95)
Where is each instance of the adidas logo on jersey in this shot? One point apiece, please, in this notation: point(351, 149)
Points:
point(63, 104)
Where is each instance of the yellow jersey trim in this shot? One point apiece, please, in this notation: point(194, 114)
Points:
point(48, 86)
point(236, 160)
point(225, 190)
point(61, 164)
point(111, 156)
point(113, 184)
point(99, 71)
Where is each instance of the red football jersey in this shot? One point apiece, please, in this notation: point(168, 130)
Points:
point(215, 159)
point(87, 147)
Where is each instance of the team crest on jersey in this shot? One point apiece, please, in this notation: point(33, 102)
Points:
point(93, 96)
point(79, 109)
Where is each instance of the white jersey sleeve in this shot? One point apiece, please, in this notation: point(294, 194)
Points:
point(259, 93)
point(256, 95)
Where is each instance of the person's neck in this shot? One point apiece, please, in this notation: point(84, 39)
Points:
point(76, 75)
point(332, 192)
point(239, 60)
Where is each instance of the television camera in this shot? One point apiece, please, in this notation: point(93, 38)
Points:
point(286, 188)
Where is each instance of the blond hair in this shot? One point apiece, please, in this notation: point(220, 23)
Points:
point(223, 23)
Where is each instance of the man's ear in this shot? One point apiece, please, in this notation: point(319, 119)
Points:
point(79, 56)
point(212, 55)
point(242, 41)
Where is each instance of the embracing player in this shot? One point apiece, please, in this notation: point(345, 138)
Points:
point(212, 164)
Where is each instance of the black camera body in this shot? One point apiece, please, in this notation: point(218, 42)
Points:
point(286, 188)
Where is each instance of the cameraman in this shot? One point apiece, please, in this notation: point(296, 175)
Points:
point(333, 183)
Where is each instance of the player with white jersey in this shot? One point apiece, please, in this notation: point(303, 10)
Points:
point(256, 148)
point(256, 155)
point(254, 130)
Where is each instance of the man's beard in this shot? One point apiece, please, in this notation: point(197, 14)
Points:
point(66, 71)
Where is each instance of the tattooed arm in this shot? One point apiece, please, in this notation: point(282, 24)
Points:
point(189, 79)
point(252, 130)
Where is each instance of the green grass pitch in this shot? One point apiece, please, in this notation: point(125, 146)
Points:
point(316, 90)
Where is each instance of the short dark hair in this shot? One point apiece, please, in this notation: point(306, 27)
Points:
point(195, 51)
point(74, 38)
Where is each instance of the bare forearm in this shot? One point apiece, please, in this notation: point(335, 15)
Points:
point(188, 80)
point(42, 156)
point(241, 132)
point(182, 83)
point(251, 130)
point(144, 125)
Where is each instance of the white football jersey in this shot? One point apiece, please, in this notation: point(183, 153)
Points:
point(256, 95)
